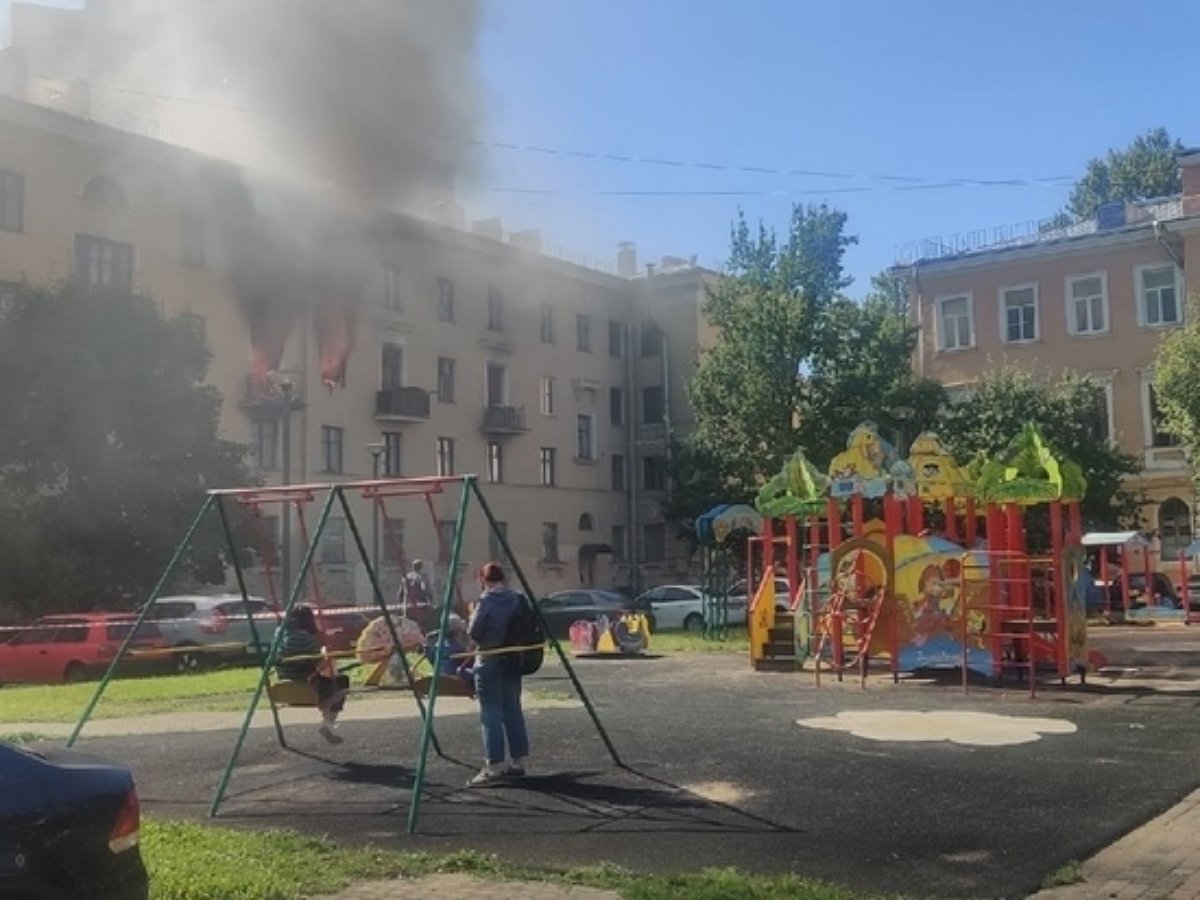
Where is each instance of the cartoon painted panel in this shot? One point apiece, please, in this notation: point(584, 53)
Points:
point(869, 466)
point(938, 475)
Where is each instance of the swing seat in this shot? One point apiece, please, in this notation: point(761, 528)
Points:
point(448, 686)
point(292, 693)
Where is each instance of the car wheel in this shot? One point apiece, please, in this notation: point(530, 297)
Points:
point(694, 624)
point(187, 659)
point(75, 672)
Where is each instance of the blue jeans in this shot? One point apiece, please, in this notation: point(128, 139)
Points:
point(499, 691)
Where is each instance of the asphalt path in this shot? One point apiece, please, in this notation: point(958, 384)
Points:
point(717, 772)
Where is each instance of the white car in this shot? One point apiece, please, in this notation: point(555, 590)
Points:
point(675, 606)
point(737, 593)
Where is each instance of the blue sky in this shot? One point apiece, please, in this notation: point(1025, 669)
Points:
point(932, 91)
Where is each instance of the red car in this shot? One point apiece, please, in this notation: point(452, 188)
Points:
point(74, 647)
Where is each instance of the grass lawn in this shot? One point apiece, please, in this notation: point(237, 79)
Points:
point(188, 861)
point(737, 641)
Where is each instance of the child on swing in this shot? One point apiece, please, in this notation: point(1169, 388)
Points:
point(302, 658)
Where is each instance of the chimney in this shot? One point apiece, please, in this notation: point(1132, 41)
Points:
point(492, 229)
point(627, 259)
point(669, 263)
point(1110, 215)
point(1189, 164)
point(529, 239)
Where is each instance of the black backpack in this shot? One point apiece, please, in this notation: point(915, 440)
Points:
point(525, 630)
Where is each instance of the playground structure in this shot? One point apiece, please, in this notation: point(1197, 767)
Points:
point(718, 532)
point(922, 562)
point(279, 693)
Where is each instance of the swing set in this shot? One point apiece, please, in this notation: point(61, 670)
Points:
point(284, 693)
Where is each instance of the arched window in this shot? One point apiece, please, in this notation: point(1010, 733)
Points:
point(586, 523)
point(1174, 528)
point(104, 190)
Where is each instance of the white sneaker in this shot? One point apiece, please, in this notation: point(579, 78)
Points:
point(486, 776)
point(329, 734)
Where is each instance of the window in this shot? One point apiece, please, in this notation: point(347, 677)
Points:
point(546, 393)
point(652, 339)
point(332, 443)
point(1158, 289)
point(550, 542)
point(495, 462)
point(495, 309)
point(1158, 434)
point(445, 302)
point(586, 522)
point(495, 547)
point(496, 378)
point(104, 190)
point(620, 550)
point(584, 433)
point(264, 440)
point(391, 288)
point(549, 329)
point(616, 338)
point(333, 542)
point(654, 473)
point(192, 240)
point(391, 453)
point(616, 405)
point(1174, 528)
point(1099, 421)
point(1087, 304)
point(653, 407)
point(445, 539)
point(101, 261)
point(393, 540)
point(546, 458)
point(445, 379)
point(445, 456)
point(1018, 311)
point(955, 328)
point(654, 543)
point(583, 332)
point(618, 471)
point(391, 367)
point(12, 201)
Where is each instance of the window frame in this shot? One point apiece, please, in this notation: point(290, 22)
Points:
point(659, 529)
point(1104, 381)
point(618, 473)
point(620, 543)
point(494, 451)
point(546, 391)
point(333, 449)
point(549, 324)
point(662, 405)
point(1002, 303)
point(445, 300)
point(393, 360)
point(96, 242)
point(445, 379)
point(1140, 273)
point(939, 304)
point(616, 406)
point(260, 429)
point(585, 437)
point(393, 298)
point(655, 465)
point(393, 453)
point(551, 552)
point(444, 456)
point(583, 332)
point(616, 338)
point(332, 548)
point(1069, 302)
point(495, 309)
point(547, 466)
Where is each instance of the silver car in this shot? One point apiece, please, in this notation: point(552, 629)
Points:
point(209, 630)
point(675, 606)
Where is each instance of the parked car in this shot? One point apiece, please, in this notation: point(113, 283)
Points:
point(68, 828)
point(340, 628)
point(208, 630)
point(563, 608)
point(738, 593)
point(1164, 593)
point(76, 646)
point(673, 606)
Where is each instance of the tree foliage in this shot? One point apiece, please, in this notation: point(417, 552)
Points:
point(109, 443)
point(796, 363)
point(1068, 416)
point(1177, 379)
point(1146, 168)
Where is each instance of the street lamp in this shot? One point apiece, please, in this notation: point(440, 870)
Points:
point(376, 451)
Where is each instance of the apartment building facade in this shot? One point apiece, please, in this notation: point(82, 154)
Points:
point(1094, 299)
point(453, 352)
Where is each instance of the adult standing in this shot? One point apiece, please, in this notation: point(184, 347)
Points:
point(498, 680)
point(416, 595)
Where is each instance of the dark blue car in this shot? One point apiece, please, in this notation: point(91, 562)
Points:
point(68, 828)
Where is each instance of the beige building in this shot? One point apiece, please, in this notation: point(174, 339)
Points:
point(349, 346)
point(1095, 298)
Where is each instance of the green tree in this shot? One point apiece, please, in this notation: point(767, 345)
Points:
point(795, 364)
point(1177, 380)
point(1146, 168)
point(1068, 415)
point(109, 443)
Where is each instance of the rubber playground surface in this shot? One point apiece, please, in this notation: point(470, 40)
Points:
point(913, 788)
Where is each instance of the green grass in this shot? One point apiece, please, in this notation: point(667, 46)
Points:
point(1070, 873)
point(738, 641)
point(188, 861)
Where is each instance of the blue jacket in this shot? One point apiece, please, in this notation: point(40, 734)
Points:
point(489, 624)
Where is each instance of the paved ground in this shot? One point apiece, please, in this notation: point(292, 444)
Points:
point(716, 771)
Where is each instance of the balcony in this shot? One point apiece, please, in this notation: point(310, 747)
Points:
point(499, 420)
point(402, 404)
point(262, 395)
